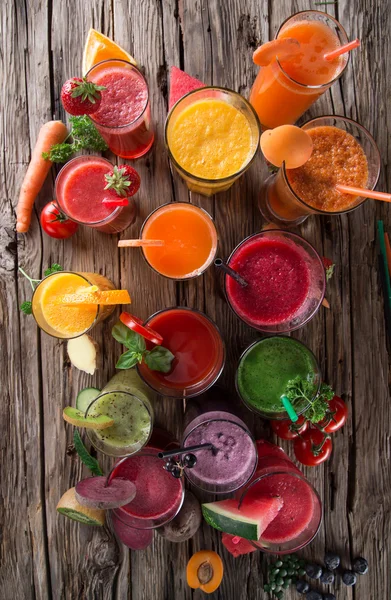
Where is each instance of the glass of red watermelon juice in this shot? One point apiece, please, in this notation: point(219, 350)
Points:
point(124, 116)
point(298, 521)
point(159, 495)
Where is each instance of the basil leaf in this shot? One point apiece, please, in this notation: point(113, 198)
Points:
point(130, 339)
point(128, 359)
point(90, 462)
point(159, 359)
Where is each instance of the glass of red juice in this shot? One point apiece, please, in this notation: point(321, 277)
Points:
point(80, 193)
point(199, 352)
point(124, 116)
point(300, 517)
point(286, 281)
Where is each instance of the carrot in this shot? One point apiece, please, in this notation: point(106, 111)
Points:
point(53, 132)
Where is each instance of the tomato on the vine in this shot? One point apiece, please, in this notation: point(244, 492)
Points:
point(55, 223)
point(338, 415)
point(313, 447)
point(287, 430)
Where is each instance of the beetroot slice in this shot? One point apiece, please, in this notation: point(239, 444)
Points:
point(135, 539)
point(95, 493)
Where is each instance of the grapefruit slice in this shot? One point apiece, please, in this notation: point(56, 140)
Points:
point(281, 49)
point(70, 507)
point(249, 521)
point(99, 47)
point(181, 83)
point(106, 297)
point(237, 545)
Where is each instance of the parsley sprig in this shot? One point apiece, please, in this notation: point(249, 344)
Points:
point(26, 306)
point(85, 137)
point(157, 359)
point(300, 388)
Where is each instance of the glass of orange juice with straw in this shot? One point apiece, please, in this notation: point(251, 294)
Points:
point(212, 136)
point(178, 240)
point(67, 304)
point(304, 64)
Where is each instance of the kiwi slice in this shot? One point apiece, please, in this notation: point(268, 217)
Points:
point(71, 508)
point(76, 417)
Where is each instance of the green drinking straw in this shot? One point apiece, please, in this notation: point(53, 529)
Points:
point(382, 244)
point(289, 409)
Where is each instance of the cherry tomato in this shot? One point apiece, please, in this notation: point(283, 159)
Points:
point(287, 430)
point(313, 447)
point(55, 223)
point(337, 417)
point(136, 325)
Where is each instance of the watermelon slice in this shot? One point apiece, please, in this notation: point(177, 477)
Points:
point(248, 522)
point(180, 84)
point(237, 545)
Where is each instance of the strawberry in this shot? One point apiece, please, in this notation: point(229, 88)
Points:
point(81, 97)
point(329, 267)
point(122, 181)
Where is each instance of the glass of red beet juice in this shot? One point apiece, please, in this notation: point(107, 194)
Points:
point(299, 519)
point(286, 281)
point(124, 116)
point(80, 191)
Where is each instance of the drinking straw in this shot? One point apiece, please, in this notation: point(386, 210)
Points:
point(115, 202)
point(289, 408)
point(384, 269)
point(139, 243)
point(362, 192)
point(342, 50)
point(387, 309)
point(187, 450)
point(388, 251)
point(228, 271)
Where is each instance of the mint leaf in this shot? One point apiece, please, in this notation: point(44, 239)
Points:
point(26, 307)
point(55, 268)
point(89, 461)
point(159, 359)
point(130, 339)
point(129, 359)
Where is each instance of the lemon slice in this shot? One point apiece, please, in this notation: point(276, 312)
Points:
point(99, 47)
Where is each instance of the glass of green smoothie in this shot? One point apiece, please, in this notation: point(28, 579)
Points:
point(265, 370)
point(128, 401)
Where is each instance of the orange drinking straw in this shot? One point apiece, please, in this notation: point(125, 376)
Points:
point(355, 191)
point(139, 243)
point(341, 50)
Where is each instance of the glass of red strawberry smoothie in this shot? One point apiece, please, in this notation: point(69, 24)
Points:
point(124, 115)
point(80, 191)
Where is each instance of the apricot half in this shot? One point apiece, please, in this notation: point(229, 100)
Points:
point(205, 571)
point(280, 48)
point(287, 143)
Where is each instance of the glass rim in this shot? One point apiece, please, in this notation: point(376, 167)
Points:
point(271, 416)
point(146, 452)
point(83, 158)
point(223, 358)
point(339, 26)
point(98, 309)
point(135, 68)
point(91, 431)
point(300, 476)
point(249, 434)
point(247, 164)
point(213, 251)
point(366, 134)
point(290, 235)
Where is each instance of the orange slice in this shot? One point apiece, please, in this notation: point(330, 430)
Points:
point(99, 47)
point(85, 298)
point(284, 48)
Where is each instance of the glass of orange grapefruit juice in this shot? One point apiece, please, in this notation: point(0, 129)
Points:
point(286, 88)
point(68, 322)
point(189, 239)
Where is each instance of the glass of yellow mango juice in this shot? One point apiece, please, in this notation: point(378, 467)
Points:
point(212, 136)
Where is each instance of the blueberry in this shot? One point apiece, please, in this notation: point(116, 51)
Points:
point(329, 596)
point(360, 565)
point(302, 586)
point(169, 466)
point(313, 595)
point(313, 571)
point(190, 460)
point(349, 578)
point(332, 561)
point(327, 577)
point(176, 472)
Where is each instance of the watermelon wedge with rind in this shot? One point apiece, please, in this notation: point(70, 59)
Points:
point(247, 522)
point(181, 83)
point(237, 546)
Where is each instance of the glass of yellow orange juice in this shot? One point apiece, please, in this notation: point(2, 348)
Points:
point(212, 136)
point(68, 321)
point(189, 240)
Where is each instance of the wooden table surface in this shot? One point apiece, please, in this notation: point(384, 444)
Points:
point(44, 555)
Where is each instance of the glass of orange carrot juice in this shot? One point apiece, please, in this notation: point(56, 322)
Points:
point(68, 322)
point(286, 88)
point(189, 239)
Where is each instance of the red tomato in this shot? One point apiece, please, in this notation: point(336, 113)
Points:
point(136, 325)
point(338, 416)
point(313, 447)
point(55, 223)
point(287, 430)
